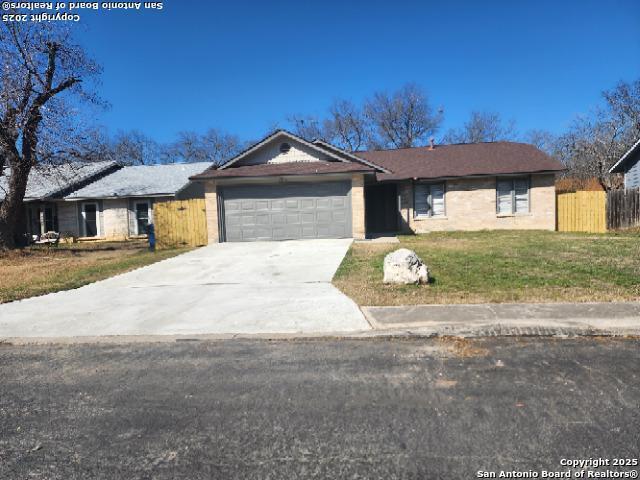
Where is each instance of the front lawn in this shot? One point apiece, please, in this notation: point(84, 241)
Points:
point(501, 266)
point(40, 269)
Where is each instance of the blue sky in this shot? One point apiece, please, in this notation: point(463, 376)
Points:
point(245, 66)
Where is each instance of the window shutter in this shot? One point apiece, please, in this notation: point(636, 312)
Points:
point(437, 199)
point(504, 196)
point(521, 188)
point(421, 200)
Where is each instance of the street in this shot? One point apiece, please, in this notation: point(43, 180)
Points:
point(321, 408)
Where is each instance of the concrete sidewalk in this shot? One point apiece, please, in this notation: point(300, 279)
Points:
point(621, 318)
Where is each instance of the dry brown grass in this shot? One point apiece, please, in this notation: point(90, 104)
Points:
point(463, 347)
point(38, 270)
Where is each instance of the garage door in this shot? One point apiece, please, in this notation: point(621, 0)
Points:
point(287, 211)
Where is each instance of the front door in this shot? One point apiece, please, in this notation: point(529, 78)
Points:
point(381, 206)
point(90, 219)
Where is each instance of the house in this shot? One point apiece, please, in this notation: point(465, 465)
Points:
point(629, 165)
point(102, 200)
point(46, 185)
point(119, 206)
point(285, 187)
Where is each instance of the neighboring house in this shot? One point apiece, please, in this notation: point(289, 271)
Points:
point(629, 165)
point(119, 206)
point(49, 183)
point(102, 200)
point(285, 187)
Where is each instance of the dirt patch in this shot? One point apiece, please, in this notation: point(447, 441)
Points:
point(463, 347)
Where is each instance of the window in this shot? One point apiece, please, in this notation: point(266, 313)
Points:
point(512, 196)
point(285, 147)
point(429, 200)
point(142, 217)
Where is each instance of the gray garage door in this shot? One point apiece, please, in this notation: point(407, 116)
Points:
point(287, 211)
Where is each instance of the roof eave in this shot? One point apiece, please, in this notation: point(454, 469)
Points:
point(394, 177)
point(275, 175)
point(270, 137)
point(619, 165)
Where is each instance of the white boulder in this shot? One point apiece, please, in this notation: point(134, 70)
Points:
point(403, 266)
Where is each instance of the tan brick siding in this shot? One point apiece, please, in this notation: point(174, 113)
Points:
point(470, 204)
point(211, 206)
point(357, 206)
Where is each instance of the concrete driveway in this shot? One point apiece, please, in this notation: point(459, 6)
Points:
point(261, 287)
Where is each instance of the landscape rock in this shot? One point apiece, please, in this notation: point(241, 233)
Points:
point(403, 266)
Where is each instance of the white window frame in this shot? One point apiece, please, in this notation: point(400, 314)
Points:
point(135, 214)
point(513, 196)
point(430, 213)
point(84, 219)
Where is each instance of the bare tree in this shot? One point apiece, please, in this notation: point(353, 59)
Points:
point(214, 146)
point(134, 148)
point(543, 139)
point(41, 69)
point(346, 126)
point(307, 127)
point(402, 119)
point(482, 126)
point(597, 140)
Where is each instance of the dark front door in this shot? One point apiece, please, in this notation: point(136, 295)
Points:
point(90, 216)
point(381, 205)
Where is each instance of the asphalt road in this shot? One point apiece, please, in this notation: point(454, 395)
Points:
point(316, 409)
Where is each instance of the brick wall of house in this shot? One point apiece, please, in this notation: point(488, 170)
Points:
point(470, 204)
point(357, 206)
point(211, 206)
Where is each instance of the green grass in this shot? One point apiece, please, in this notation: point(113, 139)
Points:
point(501, 266)
point(39, 270)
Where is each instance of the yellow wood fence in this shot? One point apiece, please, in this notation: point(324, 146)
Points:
point(582, 211)
point(180, 223)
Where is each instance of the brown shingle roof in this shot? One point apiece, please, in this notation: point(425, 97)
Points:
point(495, 158)
point(273, 169)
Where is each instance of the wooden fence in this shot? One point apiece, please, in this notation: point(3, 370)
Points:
point(582, 211)
point(180, 223)
point(623, 209)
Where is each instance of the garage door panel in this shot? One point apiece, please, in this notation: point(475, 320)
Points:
point(339, 216)
point(293, 218)
point(263, 219)
point(308, 217)
point(282, 212)
point(324, 217)
point(278, 218)
point(309, 231)
point(324, 203)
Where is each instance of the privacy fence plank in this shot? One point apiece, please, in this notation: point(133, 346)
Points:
point(623, 209)
point(582, 211)
point(180, 223)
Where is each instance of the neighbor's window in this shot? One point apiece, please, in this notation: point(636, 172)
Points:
point(142, 217)
point(512, 195)
point(429, 200)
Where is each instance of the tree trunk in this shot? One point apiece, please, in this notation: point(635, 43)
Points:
point(12, 206)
